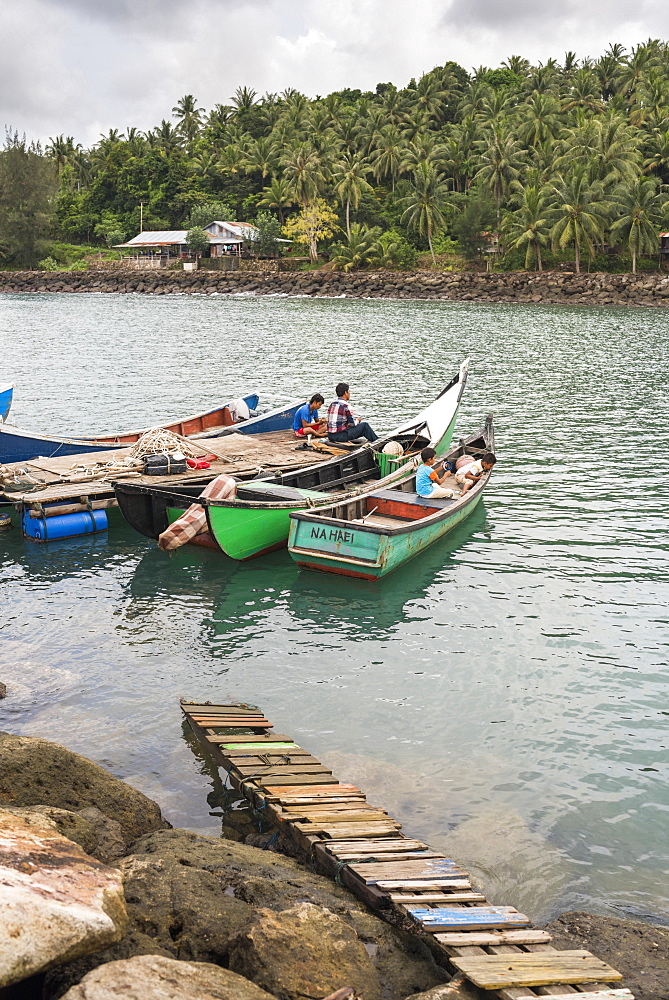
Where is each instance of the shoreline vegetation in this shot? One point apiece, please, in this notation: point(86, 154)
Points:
point(138, 905)
point(549, 288)
point(528, 166)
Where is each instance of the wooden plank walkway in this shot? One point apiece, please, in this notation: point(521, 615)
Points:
point(363, 848)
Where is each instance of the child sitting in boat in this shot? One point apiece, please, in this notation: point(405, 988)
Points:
point(428, 480)
point(469, 475)
point(307, 419)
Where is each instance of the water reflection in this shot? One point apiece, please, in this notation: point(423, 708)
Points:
point(236, 600)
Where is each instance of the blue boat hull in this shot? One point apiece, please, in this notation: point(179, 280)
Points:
point(6, 393)
point(22, 446)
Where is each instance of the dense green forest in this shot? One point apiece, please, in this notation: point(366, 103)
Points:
point(563, 161)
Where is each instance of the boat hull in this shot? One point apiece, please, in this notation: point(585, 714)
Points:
point(245, 531)
point(22, 446)
point(367, 555)
point(343, 538)
point(6, 394)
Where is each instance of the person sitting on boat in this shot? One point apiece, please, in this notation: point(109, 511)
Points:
point(342, 423)
point(307, 419)
point(428, 480)
point(469, 475)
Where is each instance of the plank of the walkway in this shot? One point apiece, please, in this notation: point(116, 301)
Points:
point(281, 770)
point(371, 846)
point(409, 868)
point(437, 897)
point(330, 789)
point(240, 742)
point(599, 995)
point(297, 756)
point(490, 938)
point(218, 709)
point(381, 855)
point(298, 780)
point(491, 972)
point(444, 918)
point(329, 820)
point(431, 883)
point(361, 830)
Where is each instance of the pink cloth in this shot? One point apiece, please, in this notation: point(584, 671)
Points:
point(194, 520)
point(462, 461)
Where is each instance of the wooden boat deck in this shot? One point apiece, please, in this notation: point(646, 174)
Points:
point(363, 848)
point(237, 454)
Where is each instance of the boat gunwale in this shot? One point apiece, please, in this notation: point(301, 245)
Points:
point(443, 513)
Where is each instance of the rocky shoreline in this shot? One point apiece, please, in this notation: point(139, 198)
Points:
point(551, 288)
point(99, 896)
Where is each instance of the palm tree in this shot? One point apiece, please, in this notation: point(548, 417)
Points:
point(244, 98)
point(529, 225)
point(642, 210)
point(260, 157)
point(303, 169)
point(583, 92)
point(540, 119)
point(425, 202)
point(658, 153)
point(63, 151)
point(189, 116)
point(361, 250)
point(277, 195)
point(500, 162)
point(387, 154)
point(349, 175)
point(580, 214)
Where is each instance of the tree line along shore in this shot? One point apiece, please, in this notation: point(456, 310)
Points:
point(527, 166)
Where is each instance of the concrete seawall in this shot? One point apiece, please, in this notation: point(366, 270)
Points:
point(548, 288)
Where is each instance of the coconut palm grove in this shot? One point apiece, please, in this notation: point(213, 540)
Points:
point(562, 164)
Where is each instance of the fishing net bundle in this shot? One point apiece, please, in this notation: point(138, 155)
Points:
point(159, 441)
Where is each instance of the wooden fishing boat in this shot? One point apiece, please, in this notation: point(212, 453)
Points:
point(6, 393)
point(257, 520)
point(370, 536)
point(22, 446)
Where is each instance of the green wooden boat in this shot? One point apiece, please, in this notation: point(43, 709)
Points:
point(370, 536)
point(258, 519)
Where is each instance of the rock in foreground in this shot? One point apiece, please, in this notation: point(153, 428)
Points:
point(305, 951)
point(36, 772)
point(56, 903)
point(155, 978)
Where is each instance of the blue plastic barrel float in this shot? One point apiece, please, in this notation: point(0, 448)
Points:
point(46, 529)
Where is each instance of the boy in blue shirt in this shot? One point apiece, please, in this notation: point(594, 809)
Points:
point(428, 480)
point(307, 420)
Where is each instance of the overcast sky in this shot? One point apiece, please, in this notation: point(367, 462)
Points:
point(81, 67)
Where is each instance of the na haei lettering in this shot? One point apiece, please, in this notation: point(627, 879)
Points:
point(332, 534)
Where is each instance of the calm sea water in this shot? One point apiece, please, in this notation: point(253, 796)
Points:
point(504, 695)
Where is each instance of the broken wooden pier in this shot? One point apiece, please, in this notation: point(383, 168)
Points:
point(363, 848)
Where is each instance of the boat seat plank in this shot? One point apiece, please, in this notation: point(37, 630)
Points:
point(491, 972)
point(411, 498)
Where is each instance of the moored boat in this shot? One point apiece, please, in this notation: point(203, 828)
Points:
point(257, 520)
point(6, 393)
point(21, 446)
point(370, 536)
